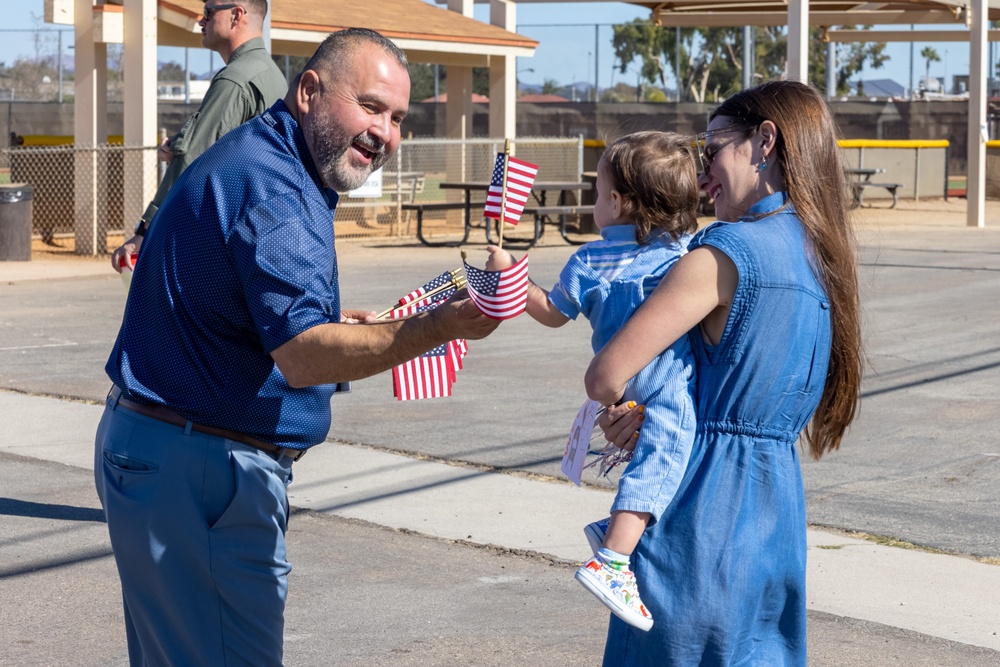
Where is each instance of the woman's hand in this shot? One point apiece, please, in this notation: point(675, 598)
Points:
point(621, 423)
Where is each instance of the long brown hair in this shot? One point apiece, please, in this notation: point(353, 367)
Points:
point(807, 152)
point(654, 173)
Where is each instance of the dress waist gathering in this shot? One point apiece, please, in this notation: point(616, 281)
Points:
point(709, 426)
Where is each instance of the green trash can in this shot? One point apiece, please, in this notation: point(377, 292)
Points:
point(15, 222)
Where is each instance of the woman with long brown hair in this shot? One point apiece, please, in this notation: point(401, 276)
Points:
point(770, 297)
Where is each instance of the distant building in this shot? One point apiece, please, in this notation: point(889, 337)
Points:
point(173, 91)
point(443, 99)
point(541, 98)
point(880, 88)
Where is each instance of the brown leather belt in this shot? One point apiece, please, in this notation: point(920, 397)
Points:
point(164, 414)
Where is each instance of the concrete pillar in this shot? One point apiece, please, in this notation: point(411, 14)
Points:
point(463, 7)
point(89, 129)
point(458, 109)
point(831, 70)
point(976, 184)
point(748, 56)
point(798, 40)
point(141, 174)
point(503, 75)
point(266, 28)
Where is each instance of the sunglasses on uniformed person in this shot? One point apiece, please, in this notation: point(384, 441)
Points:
point(210, 10)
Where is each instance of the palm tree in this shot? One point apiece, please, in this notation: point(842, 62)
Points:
point(930, 56)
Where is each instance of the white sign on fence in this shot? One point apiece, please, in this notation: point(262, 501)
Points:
point(370, 188)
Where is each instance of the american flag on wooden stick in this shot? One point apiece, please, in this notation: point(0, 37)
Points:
point(431, 374)
point(499, 294)
point(520, 176)
point(415, 298)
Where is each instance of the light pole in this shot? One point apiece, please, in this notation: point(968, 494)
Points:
point(593, 93)
point(517, 76)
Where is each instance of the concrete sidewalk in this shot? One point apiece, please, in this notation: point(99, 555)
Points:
point(949, 597)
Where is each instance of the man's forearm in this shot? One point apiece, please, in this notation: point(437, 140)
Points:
point(330, 353)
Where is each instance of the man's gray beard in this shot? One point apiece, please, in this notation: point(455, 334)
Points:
point(331, 146)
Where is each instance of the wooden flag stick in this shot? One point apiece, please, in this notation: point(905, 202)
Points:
point(503, 190)
point(456, 281)
point(455, 273)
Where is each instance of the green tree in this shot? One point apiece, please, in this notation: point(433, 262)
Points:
point(550, 87)
point(295, 65)
point(170, 72)
point(930, 55)
point(421, 81)
point(656, 49)
point(854, 57)
point(711, 66)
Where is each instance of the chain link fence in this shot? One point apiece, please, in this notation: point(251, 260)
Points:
point(414, 175)
point(114, 188)
point(103, 175)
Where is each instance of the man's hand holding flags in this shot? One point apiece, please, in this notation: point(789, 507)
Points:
point(499, 295)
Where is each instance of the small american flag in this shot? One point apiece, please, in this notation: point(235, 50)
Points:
point(499, 294)
point(414, 297)
point(431, 374)
point(428, 376)
point(520, 176)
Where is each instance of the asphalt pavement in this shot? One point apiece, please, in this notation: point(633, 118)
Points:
point(441, 532)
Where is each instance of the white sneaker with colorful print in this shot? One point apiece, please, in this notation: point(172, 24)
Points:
point(614, 584)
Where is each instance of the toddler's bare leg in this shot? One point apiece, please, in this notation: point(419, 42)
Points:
point(624, 531)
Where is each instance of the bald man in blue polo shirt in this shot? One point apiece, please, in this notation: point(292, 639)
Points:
point(231, 347)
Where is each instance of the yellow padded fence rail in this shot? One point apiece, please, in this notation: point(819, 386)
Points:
point(893, 143)
point(853, 143)
point(61, 140)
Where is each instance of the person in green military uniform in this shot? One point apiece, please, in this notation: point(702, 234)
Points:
point(243, 89)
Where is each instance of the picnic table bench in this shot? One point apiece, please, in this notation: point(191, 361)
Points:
point(862, 180)
point(545, 214)
point(427, 207)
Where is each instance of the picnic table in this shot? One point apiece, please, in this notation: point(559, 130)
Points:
point(861, 179)
point(542, 211)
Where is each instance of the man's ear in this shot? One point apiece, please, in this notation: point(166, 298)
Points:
point(309, 85)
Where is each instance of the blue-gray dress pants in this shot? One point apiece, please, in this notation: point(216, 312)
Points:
point(197, 525)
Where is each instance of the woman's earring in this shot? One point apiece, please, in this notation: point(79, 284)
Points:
point(763, 164)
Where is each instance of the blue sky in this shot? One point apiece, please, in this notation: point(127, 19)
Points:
point(566, 53)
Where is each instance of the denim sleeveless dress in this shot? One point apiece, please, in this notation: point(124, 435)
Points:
point(723, 570)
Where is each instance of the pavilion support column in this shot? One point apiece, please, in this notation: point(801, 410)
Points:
point(141, 173)
point(463, 7)
point(798, 40)
point(90, 89)
point(458, 118)
point(503, 75)
point(976, 184)
point(458, 108)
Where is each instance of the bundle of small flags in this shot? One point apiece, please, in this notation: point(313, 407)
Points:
point(520, 176)
point(500, 295)
point(431, 374)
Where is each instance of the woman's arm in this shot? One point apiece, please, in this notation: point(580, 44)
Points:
point(700, 285)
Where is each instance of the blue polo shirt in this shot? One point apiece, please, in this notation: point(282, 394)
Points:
point(240, 259)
